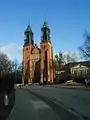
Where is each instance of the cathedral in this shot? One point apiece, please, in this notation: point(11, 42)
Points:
point(37, 61)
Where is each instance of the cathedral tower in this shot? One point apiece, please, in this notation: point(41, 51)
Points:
point(28, 45)
point(46, 55)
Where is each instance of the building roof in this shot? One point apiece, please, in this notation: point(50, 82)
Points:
point(84, 63)
point(69, 65)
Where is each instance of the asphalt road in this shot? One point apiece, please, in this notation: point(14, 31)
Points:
point(30, 107)
point(76, 100)
point(50, 103)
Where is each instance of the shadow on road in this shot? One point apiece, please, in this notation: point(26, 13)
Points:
point(63, 112)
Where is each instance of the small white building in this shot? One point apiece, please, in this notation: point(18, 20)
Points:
point(79, 70)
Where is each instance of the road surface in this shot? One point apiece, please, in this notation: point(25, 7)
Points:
point(77, 100)
point(50, 103)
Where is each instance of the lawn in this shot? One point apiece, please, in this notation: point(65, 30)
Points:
point(72, 84)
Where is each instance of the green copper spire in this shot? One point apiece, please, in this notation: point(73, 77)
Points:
point(28, 36)
point(28, 29)
point(45, 24)
point(45, 33)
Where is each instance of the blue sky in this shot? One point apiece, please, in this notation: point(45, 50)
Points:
point(68, 20)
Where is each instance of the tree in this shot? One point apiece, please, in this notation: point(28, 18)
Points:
point(5, 64)
point(6, 80)
point(10, 72)
point(59, 58)
point(85, 48)
point(19, 74)
point(17, 71)
point(63, 58)
point(59, 61)
point(70, 57)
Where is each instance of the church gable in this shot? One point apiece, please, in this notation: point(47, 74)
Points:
point(35, 53)
point(36, 50)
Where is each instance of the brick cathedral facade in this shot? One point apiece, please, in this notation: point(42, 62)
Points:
point(37, 61)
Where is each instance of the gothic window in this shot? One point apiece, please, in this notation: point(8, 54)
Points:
point(33, 65)
point(44, 46)
point(26, 48)
point(28, 64)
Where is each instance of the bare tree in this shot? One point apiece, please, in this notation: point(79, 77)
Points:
point(17, 71)
point(64, 58)
point(5, 64)
point(85, 48)
point(6, 80)
point(70, 57)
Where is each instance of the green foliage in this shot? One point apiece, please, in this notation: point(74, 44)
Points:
point(59, 58)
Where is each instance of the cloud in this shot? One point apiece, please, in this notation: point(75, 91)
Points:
point(12, 50)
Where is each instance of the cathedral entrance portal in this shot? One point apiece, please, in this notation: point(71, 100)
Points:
point(45, 79)
point(37, 72)
point(27, 74)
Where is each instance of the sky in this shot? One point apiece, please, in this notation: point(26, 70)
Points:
point(67, 19)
